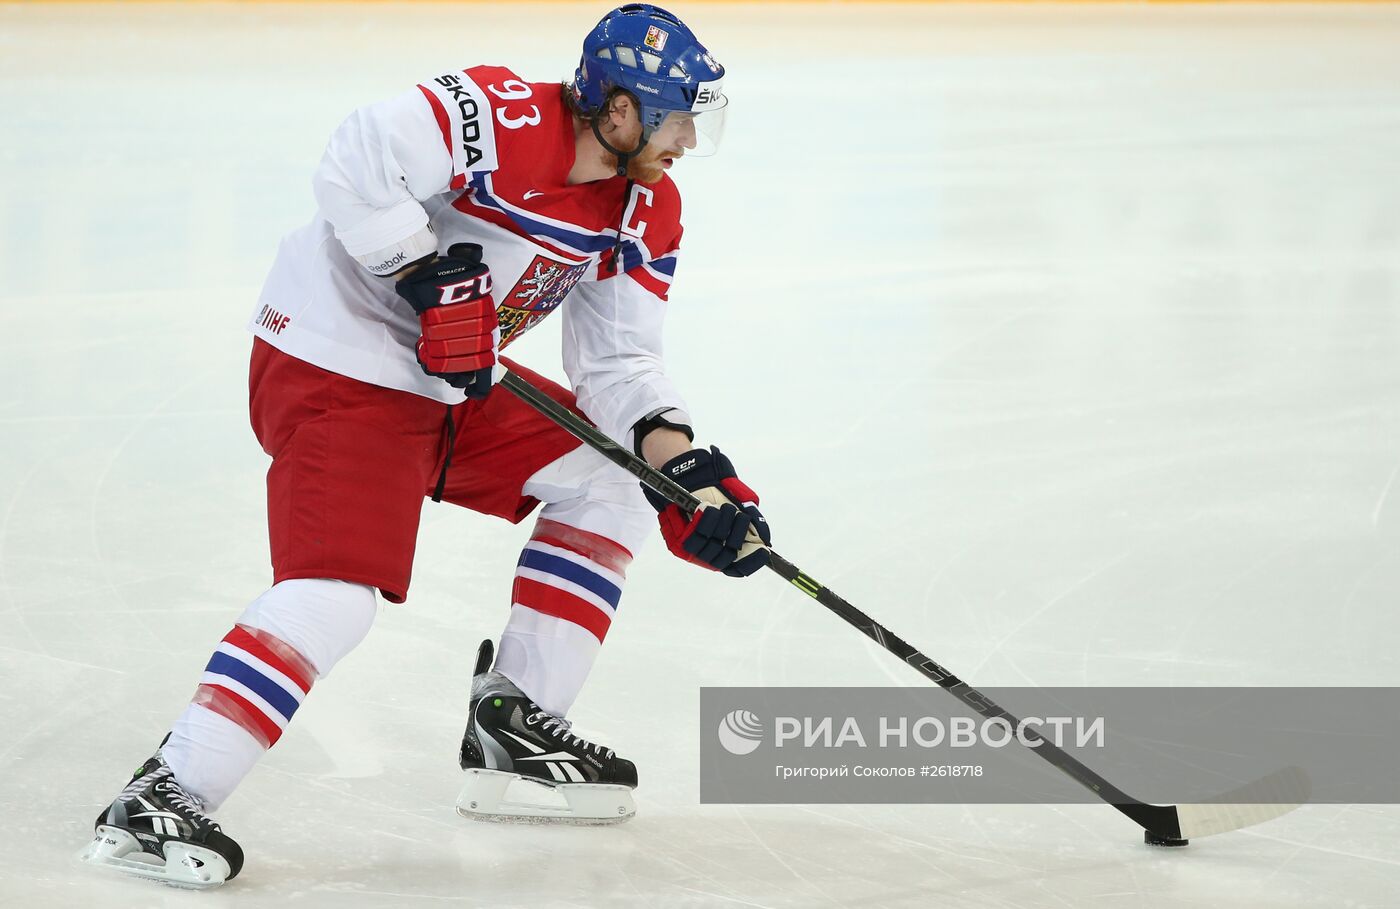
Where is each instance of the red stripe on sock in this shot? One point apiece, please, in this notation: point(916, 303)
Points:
point(236, 708)
point(591, 546)
point(561, 604)
point(275, 653)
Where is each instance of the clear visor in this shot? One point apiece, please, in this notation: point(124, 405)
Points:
point(693, 133)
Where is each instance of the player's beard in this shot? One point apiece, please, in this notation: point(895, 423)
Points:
point(645, 166)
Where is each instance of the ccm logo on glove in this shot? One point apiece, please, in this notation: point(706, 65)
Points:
point(729, 533)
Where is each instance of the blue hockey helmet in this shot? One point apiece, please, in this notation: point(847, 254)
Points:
point(654, 56)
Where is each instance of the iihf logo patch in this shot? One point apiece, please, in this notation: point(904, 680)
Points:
point(272, 320)
point(656, 38)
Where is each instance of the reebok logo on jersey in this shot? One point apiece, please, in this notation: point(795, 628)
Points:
point(387, 266)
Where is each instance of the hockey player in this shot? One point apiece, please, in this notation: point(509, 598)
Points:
point(452, 219)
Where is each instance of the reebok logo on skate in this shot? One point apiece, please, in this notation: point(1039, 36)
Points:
point(558, 763)
point(740, 732)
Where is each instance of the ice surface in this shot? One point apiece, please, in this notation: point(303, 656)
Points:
point(1071, 353)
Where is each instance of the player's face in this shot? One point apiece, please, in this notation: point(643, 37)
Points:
point(674, 137)
point(667, 143)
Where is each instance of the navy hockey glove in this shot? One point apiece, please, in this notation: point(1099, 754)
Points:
point(457, 316)
point(729, 534)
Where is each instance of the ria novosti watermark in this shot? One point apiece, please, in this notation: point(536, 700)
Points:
point(741, 731)
point(896, 745)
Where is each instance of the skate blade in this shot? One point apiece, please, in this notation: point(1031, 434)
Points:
point(186, 866)
point(485, 797)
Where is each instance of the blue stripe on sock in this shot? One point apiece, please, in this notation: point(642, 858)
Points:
point(223, 664)
point(572, 571)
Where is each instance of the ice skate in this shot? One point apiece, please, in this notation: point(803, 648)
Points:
point(524, 765)
point(157, 830)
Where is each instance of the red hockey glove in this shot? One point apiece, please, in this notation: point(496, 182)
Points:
point(729, 534)
point(460, 336)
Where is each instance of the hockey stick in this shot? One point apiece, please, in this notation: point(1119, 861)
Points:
point(1163, 825)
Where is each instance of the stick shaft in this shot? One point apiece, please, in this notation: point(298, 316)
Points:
point(1157, 818)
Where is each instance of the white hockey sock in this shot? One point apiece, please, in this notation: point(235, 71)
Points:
point(567, 587)
point(209, 754)
point(257, 678)
point(546, 657)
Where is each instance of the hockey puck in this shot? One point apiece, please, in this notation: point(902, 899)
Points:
point(1156, 839)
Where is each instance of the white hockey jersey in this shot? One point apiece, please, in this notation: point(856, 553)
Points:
point(482, 157)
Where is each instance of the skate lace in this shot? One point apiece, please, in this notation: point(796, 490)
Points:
point(161, 781)
point(562, 730)
point(182, 801)
point(142, 783)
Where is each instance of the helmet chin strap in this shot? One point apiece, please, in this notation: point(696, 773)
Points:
point(623, 157)
point(623, 160)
